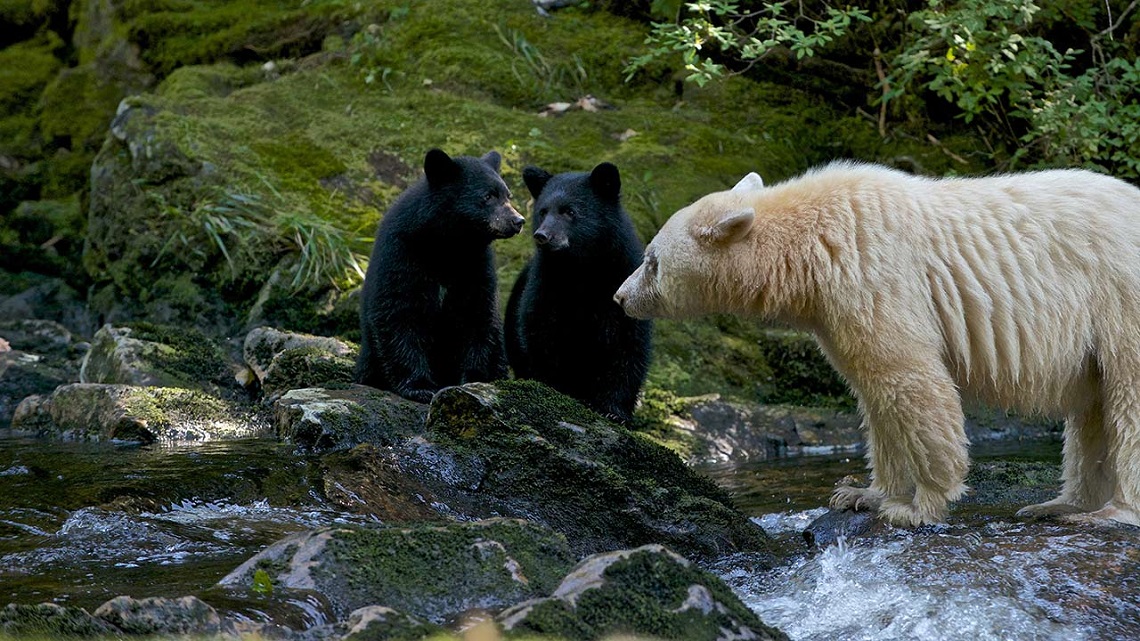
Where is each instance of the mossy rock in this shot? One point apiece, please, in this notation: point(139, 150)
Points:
point(1012, 484)
point(26, 69)
point(380, 623)
point(320, 420)
point(520, 448)
point(92, 411)
point(52, 621)
point(45, 236)
point(416, 569)
point(799, 373)
point(146, 354)
point(648, 591)
point(161, 616)
point(23, 375)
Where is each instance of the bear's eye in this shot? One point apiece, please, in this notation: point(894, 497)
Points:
point(569, 212)
point(490, 197)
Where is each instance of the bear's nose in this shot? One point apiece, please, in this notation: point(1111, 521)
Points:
point(541, 237)
point(619, 298)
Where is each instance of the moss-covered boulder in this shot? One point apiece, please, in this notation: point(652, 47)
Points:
point(380, 623)
point(647, 591)
point(521, 449)
point(43, 337)
point(283, 361)
point(23, 375)
point(36, 356)
point(94, 411)
point(144, 354)
point(160, 616)
point(319, 420)
point(427, 571)
point(52, 621)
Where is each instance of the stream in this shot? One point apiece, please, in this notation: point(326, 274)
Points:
point(983, 575)
point(81, 523)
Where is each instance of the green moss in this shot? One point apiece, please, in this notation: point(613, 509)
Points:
point(414, 569)
point(172, 33)
point(645, 593)
point(192, 356)
point(45, 236)
point(51, 621)
point(309, 367)
point(25, 69)
point(800, 375)
point(656, 413)
point(77, 108)
point(554, 460)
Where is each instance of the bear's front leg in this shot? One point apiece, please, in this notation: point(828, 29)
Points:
point(471, 308)
point(916, 441)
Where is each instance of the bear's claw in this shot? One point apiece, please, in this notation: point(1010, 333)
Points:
point(856, 498)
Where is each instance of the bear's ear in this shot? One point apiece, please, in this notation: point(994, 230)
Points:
point(439, 168)
point(731, 226)
point(535, 179)
point(606, 180)
point(493, 160)
point(751, 182)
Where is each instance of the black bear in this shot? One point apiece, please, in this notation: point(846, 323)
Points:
point(563, 327)
point(429, 313)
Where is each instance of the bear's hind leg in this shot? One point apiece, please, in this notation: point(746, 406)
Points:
point(1121, 430)
point(1088, 482)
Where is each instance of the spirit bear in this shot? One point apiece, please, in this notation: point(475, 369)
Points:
point(429, 312)
point(1021, 291)
point(563, 327)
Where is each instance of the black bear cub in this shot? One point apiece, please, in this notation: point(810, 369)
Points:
point(563, 326)
point(429, 314)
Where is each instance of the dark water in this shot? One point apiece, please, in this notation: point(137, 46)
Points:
point(81, 523)
point(983, 575)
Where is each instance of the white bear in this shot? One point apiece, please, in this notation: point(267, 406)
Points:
point(1021, 291)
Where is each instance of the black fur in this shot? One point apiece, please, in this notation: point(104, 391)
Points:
point(429, 314)
point(563, 327)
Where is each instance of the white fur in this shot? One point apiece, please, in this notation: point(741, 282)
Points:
point(1021, 291)
point(750, 182)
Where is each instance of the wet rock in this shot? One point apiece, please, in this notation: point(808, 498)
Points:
point(153, 158)
point(1012, 483)
point(371, 480)
point(23, 375)
point(376, 622)
point(427, 571)
point(149, 355)
point(43, 337)
point(92, 411)
point(734, 432)
point(330, 419)
point(646, 591)
point(159, 615)
point(520, 449)
point(46, 299)
point(283, 361)
point(847, 524)
point(52, 621)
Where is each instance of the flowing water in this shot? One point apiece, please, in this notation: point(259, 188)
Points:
point(83, 522)
point(983, 575)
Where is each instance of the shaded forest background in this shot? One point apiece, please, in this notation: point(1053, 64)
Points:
point(223, 164)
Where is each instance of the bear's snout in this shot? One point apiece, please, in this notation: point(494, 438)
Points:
point(631, 299)
point(507, 222)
